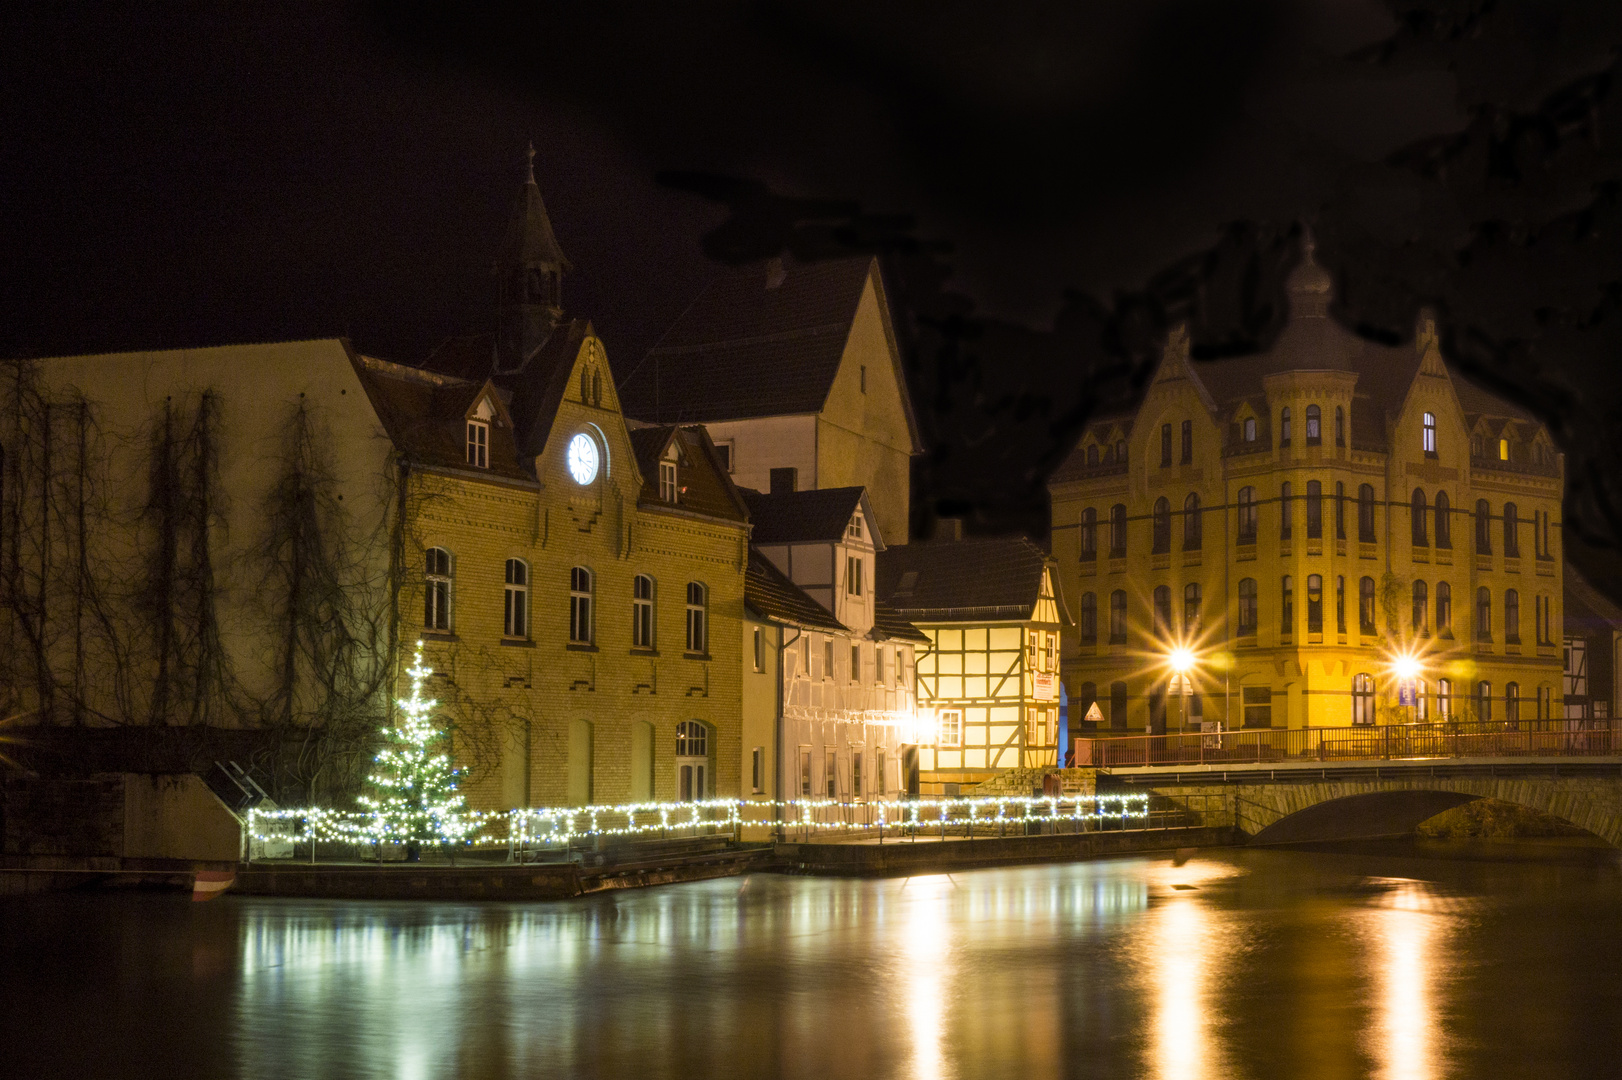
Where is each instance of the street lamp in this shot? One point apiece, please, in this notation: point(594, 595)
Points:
point(1181, 661)
point(1405, 667)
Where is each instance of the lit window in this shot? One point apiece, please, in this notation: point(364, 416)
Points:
point(580, 605)
point(1250, 429)
point(667, 481)
point(1430, 433)
point(696, 617)
point(436, 613)
point(1503, 449)
point(515, 620)
point(478, 444)
point(951, 728)
point(1484, 701)
point(1314, 425)
point(1284, 427)
point(642, 614)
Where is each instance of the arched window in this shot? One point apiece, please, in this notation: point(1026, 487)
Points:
point(1315, 510)
point(697, 618)
point(1365, 607)
point(1089, 619)
point(1444, 607)
point(692, 761)
point(1162, 525)
point(1162, 611)
point(1512, 539)
point(1429, 437)
point(692, 740)
point(1165, 446)
point(1444, 521)
point(1512, 703)
point(515, 617)
point(1191, 523)
point(1188, 443)
point(436, 612)
point(1512, 616)
point(1545, 702)
point(1247, 515)
point(1117, 617)
point(1092, 454)
point(1089, 534)
point(1483, 614)
point(1483, 528)
point(1365, 514)
point(1315, 604)
point(1314, 425)
point(1284, 427)
point(1117, 531)
point(1484, 701)
point(1340, 604)
point(580, 605)
point(1286, 511)
point(1286, 611)
point(1419, 518)
point(1247, 607)
point(1340, 426)
point(1362, 698)
point(1340, 510)
point(1191, 611)
point(642, 612)
point(1422, 606)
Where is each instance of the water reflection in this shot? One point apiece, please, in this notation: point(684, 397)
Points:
point(1186, 950)
point(1406, 936)
point(928, 938)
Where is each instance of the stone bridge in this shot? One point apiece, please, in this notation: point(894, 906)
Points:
point(1293, 803)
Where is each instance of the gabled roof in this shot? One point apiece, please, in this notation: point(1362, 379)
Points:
point(808, 517)
point(425, 417)
point(762, 340)
point(705, 486)
point(996, 579)
point(769, 593)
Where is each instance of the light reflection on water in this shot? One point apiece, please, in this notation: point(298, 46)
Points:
point(1238, 964)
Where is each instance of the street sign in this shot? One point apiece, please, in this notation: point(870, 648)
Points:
point(1095, 715)
point(1407, 693)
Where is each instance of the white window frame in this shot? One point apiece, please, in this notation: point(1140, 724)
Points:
point(642, 620)
point(698, 597)
point(439, 578)
point(581, 587)
point(853, 575)
point(515, 600)
point(949, 728)
point(668, 491)
point(478, 444)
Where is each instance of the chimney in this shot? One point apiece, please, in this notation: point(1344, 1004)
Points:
point(785, 481)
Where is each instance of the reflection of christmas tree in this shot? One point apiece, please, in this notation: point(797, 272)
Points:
point(416, 800)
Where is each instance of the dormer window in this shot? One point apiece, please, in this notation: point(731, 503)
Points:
point(1430, 435)
point(853, 531)
point(1503, 449)
point(478, 444)
point(1250, 429)
point(667, 482)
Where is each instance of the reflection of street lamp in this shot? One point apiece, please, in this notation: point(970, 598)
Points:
point(1181, 660)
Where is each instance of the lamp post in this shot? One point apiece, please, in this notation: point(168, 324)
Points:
point(1181, 660)
point(1405, 668)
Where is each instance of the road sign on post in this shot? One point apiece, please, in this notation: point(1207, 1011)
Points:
point(1407, 693)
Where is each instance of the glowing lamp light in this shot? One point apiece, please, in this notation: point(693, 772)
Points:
point(1181, 660)
point(1405, 668)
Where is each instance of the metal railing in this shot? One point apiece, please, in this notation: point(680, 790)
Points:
point(1444, 739)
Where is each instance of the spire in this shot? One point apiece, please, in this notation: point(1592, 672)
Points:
point(1309, 284)
point(530, 272)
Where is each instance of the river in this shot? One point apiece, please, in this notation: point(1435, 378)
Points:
point(1382, 960)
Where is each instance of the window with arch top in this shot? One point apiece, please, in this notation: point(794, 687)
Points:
point(1191, 523)
point(1247, 607)
point(1284, 426)
point(515, 600)
point(1247, 515)
point(1444, 607)
point(1089, 534)
point(1512, 539)
point(1162, 609)
point(1365, 514)
point(1286, 511)
point(1512, 616)
point(580, 605)
point(1340, 426)
point(1365, 607)
point(436, 614)
point(642, 612)
point(697, 617)
point(1314, 426)
point(1418, 517)
point(1483, 614)
point(1315, 604)
point(1191, 611)
point(1421, 606)
point(1444, 521)
point(1315, 510)
point(1117, 617)
point(1117, 531)
point(1429, 438)
point(1162, 526)
point(1087, 624)
point(1165, 445)
point(1483, 528)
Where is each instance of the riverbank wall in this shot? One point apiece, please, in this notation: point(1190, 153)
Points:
point(933, 856)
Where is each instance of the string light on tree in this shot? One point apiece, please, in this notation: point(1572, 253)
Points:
point(416, 800)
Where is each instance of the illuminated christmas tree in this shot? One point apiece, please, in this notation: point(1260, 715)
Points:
point(416, 800)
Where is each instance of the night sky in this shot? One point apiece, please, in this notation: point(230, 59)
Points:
point(1050, 188)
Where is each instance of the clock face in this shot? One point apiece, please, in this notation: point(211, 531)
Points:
point(582, 459)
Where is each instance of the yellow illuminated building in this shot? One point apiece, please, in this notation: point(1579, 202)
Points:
point(1309, 523)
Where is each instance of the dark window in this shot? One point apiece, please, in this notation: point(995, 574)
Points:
point(1286, 511)
point(1340, 426)
point(1162, 611)
point(1365, 514)
point(1089, 619)
point(1089, 534)
point(1421, 606)
point(1165, 445)
point(1191, 523)
point(515, 606)
point(1120, 451)
point(1444, 607)
point(1484, 701)
point(1247, 607)
point(642, 612)
point(1315, 604)
point(580, 605)
point(1315, 510)
point(1340, 510)
point(1188, 442)
point(1117, 531)
point(1483, 614)
point(1247, 515)
point(1362, 698)
point(1418, 518)
point(1284, 427)
point(1512, 703)
point(1286, 621)
point(1512, 617)
point(1365, 607)
point(1340, 605)
point(436, 614)
point(698, 618)
point(1162, 525)
point(1191, 611)
point(1314, 426)
point(1483, 528)
point(1512, 539)
point(1258, 705)
point(1117, 706)
point(1117, 617)
point(1444, 521)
